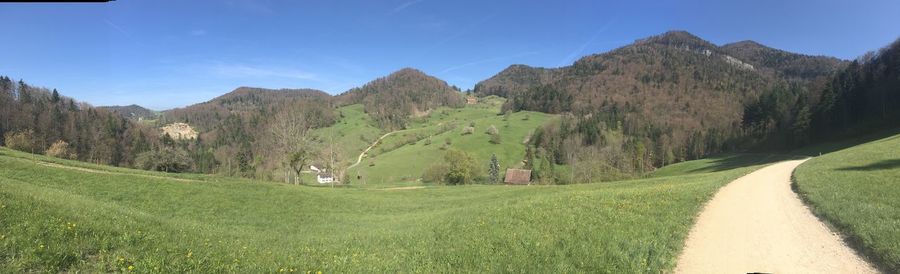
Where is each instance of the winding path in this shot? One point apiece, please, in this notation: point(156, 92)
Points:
point(758, 224)
point(363, 154)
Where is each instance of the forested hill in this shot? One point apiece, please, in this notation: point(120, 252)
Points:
point(783, 63)
point(132, 111)
point(39, 120)
point(392, 99)
point(665, 98)
point(244, 101)
point(236, 129)
point(673, 61)
point(862, 97)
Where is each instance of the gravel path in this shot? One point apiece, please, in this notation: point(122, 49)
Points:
point(758, 224)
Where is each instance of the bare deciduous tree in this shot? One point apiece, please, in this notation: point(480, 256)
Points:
point(290, 129)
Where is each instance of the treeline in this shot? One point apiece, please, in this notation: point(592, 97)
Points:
point(862, 97)
point(36, 119)
point(391, 100)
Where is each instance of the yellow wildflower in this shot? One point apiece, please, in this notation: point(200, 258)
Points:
point(190, 254)
point(130, 268)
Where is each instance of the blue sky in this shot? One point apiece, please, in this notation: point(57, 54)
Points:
point(172, 53)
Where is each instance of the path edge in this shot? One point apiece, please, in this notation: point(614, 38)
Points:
point(855, 243)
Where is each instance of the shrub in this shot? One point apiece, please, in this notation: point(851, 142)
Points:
point(495, 138)
point(462, 168)
point(435, 173)
point(428, 141)
point(22, 140)
point(448, 141)
point(492, 130)
point(60, 149)
point(468, 130)
point(164, 159)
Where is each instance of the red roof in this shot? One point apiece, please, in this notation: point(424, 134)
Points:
point(517, 176)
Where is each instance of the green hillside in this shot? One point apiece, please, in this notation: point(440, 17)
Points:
point(60, 215)
point(351, 134)
point(401, 157)
point(856, 189)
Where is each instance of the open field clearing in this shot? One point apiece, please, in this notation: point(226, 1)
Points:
point(61, 219)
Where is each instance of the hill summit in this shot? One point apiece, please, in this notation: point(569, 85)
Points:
point(390, 100)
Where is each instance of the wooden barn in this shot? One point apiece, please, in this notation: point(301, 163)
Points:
point(517, 176)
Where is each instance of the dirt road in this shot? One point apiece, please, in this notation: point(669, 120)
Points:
point(758, 224)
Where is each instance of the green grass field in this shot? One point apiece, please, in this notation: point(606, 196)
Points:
point(74, 217)
point(857, 190)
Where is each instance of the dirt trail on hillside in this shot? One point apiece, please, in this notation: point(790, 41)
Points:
point(49, 164)
point(758, 224)
point(363, 154)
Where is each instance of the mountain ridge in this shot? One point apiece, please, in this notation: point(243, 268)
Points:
point(132, 111)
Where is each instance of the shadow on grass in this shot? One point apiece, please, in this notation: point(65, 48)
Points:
point(885, 164)
point(743, 160)
point(832, 146)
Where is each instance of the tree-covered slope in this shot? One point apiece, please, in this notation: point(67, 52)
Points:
point(392, 99)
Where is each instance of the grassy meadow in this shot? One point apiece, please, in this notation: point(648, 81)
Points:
point(857, 190)
point(351, 134)
point(400, 158)
point(63, 216)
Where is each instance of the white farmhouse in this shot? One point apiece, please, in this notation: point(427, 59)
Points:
point(325, 178)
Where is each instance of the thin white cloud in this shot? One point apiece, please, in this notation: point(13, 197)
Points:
point(459, 33)
point(488, 60)
point(117, 28)
point(578, 51)
point(245, 71)
point(405, 5)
